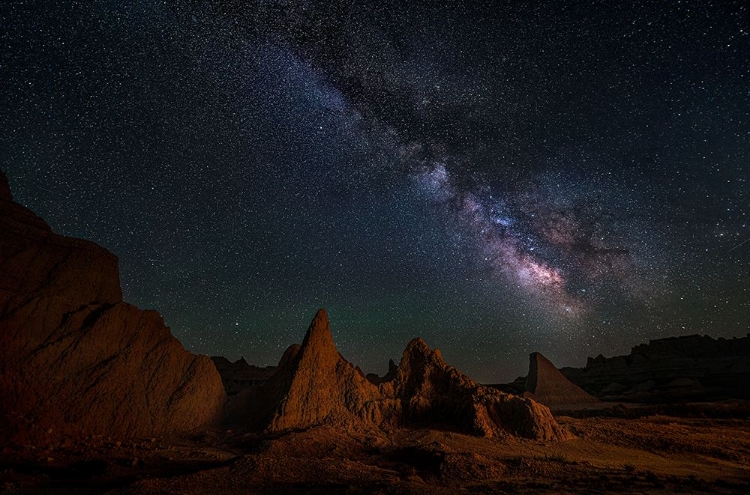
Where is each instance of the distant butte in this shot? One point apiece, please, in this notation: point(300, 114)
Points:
point(692, 367)
point(546, 384)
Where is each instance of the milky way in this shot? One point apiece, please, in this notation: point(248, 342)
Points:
point(497, 178)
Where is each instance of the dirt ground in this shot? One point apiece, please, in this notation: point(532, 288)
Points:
point(651, 454)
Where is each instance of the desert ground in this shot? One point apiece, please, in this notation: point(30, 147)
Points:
point(705, 449)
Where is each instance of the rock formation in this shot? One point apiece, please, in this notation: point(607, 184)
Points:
point(390, 375)
point(77, 361)
point(318, 386)
point(690, 367)
point(547, 385)
point(239, 375)
point(315, 385)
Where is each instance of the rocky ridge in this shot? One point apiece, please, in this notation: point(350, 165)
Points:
point(75, 359)
point(315, 385)
point(693, 366)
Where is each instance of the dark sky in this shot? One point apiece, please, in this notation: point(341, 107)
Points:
point(497, 178)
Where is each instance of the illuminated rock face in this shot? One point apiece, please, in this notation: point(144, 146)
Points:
point(75, 360)
point(546, 384)
point(315, 385)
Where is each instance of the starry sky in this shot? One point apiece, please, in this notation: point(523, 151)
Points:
point(569, 177)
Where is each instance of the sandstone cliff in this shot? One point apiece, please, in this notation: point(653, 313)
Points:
point(77, 361)
point(315, 385)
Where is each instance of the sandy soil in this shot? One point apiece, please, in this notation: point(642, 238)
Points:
point(652, 454)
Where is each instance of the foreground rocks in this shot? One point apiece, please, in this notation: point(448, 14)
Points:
point(656, 454)
point(75, 360)
point(315, 386)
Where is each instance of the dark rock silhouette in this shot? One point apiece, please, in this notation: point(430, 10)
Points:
point(5, 194)
point(546, 384)
point(315, 385)
point(678, 367)
point(239, 375)
point(77, 361)
point(390, 375)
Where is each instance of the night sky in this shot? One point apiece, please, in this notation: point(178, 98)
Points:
point(565, 177)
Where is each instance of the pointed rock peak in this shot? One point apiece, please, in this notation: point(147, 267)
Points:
point(540, 367)
point(5, 194)
point(392, 367)
point(418, 355)
point(538, 356)
point(391, 373)
point(321, 317)
point(319, 334)
point(417, 345)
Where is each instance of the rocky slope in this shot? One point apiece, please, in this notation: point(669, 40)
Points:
point(77, 361)
point(679, 367)
point(315, 385)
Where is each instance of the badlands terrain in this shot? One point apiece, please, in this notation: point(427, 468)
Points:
point(97, 396)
